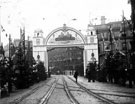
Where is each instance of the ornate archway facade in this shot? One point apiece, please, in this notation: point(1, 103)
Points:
point(66, 37)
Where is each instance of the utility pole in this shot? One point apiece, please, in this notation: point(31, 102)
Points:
point(133, 13)
point(125, 38)
point(28, 52)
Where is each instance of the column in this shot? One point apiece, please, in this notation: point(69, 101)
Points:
point(85, 61)
point(46, 59)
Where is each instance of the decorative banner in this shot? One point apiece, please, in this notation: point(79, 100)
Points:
point(63, 37)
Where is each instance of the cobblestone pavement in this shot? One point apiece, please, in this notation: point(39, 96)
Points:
point(116, 93)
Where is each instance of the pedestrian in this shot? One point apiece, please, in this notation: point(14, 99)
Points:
point(76, 75)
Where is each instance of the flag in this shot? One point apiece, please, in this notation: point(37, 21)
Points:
point(22, 39)
point(22, 34)
point(110, 30)
point(6, 35)
point(102, 36)
point(2, 29)
point(1, 50)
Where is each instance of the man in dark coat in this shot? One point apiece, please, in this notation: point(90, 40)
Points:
point(76, 75)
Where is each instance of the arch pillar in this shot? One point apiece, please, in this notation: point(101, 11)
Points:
point(88, 50)
point(46, 58)
point(84, 61)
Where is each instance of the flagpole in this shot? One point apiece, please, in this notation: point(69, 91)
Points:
point(9, 46)
point(0, 24)
point(125, 38)
point(103, 40)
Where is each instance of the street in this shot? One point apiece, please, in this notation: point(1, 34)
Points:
point(60, 89)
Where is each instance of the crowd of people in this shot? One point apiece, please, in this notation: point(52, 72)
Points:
point(113, 70)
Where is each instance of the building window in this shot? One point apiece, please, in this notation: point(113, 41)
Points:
point(91, 33)
point(91, 39)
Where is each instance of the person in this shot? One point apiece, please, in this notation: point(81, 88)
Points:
point(76, 75)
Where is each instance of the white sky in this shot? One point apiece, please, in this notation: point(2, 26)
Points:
point(51, 14)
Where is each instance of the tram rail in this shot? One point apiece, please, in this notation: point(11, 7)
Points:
point(68, 89)
point(70, 96)
point(46, 97)
point(103, 99)
point(20, 99)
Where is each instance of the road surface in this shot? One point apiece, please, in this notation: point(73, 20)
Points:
point(62, 89)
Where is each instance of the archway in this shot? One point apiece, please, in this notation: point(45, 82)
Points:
point(66, 37)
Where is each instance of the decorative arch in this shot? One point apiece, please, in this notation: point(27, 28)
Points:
point(64, 30)
point(66, 37)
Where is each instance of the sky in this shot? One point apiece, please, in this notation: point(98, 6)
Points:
point(51, 14)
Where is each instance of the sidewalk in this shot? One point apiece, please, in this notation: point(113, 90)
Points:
point(114, 92)
point(84, 80)
point(18, 94)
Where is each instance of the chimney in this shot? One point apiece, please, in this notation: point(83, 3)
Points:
point(103, 20)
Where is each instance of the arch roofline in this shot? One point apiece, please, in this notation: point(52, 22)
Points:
point(62, 28)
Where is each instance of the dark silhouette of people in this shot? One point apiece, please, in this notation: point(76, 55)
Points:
point(91, 69)
point(76, 75)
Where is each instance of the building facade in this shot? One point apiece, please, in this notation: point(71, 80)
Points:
point(115, 36)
